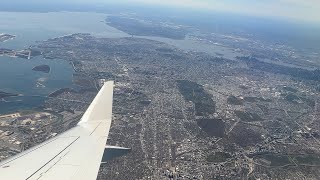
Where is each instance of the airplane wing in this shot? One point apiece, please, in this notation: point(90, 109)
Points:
point(73, 155)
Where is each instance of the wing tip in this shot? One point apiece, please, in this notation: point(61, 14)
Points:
point(101, 106)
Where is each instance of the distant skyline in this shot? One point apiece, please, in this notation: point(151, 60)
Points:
point(298, 10)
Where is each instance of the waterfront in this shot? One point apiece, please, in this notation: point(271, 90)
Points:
point(17, 76)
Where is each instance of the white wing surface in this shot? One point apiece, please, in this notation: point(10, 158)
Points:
point(73, 155)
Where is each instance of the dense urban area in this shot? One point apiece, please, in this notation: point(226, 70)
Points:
point(185, 114)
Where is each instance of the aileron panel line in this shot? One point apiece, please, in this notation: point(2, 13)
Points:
point(53, 158)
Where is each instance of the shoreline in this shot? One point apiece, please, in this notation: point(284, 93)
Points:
point(6, 37)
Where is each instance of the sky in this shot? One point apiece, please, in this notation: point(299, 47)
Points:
point(303, 10)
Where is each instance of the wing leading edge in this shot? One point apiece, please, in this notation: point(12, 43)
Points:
point(73, 155)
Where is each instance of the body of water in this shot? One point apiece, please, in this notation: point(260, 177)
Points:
point(16, 75)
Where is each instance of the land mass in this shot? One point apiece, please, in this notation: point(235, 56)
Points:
point(42, 68)
point(5, 94)
point(173, 107)
point(187, 114)
point(139, 27)
point(25, 53)
point(6, 37)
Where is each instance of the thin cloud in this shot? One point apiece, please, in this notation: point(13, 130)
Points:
point(302, 10)
point(305, 10)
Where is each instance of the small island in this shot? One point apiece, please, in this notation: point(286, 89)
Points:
point(42, 68)
point(6, 37)
point(5, 94)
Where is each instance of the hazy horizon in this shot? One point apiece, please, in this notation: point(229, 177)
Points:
point(292, 10)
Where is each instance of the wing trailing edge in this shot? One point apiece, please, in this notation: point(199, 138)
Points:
point(73, 155)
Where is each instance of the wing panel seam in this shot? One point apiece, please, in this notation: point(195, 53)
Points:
point(53, 158)
point(30, 151)
point(95, 129)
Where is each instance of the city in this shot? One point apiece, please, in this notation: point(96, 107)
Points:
point(185, 114)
